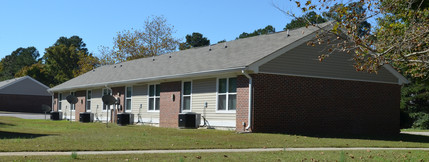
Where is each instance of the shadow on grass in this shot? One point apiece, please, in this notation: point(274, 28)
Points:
point(392, 137)
point(17, 135)
point(4, 125)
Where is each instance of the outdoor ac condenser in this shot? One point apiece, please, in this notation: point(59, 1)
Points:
point(189, 120)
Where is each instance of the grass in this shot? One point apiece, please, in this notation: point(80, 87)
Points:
point(250, 156)
point(45, 135)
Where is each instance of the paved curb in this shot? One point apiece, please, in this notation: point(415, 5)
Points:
point(197, 151)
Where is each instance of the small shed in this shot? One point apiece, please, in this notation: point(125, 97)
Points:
point(23, 94)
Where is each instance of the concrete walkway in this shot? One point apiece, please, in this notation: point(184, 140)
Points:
point(197, 151)
point(24, 115)
point(417, 133)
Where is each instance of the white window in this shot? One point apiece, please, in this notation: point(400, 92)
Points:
point(227, 94)
point(73, 106)
point(128, 95)
point(88, 100)
point(106, 92)
point(154, 93)
point(186, 96)
point(60, 98)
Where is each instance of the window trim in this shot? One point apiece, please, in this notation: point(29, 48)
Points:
point(59, 102)
point(102, 94)
point(183, 96)
point(227, 95)
point(155, 96)
point(88, 100)
point(73, 105)
point(126, 98)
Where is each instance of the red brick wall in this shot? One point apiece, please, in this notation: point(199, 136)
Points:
point(23, 103)
point(80, 105)
point(290, 104)
point(169, 109)
point(242, 103)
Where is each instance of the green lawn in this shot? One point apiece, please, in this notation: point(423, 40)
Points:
point(250, 156)
point(45, 135)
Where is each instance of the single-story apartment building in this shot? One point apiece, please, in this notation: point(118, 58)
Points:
point(266, 83)
point(24, 94)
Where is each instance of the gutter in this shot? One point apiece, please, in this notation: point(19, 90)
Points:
point(249, 122)
point(138, 80)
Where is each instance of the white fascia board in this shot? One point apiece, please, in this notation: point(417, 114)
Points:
point(133, 81)
point(401, 79)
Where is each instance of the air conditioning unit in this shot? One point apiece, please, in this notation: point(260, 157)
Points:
point(55, 115)
point(189, 120)
point(125, 118)
point(86, 117)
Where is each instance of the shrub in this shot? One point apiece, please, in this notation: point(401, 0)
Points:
point(74, 155)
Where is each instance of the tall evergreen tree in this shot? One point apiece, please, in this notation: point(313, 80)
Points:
point(308, 18)
point(21, 57)
point(194, 40)
point(267, 30)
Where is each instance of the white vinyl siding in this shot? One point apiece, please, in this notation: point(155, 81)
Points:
point(140, 102)
point(303, 61)
point(97, 104)
point(204, 90)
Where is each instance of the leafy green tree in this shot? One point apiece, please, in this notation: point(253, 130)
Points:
point(18, 59)
point(305, 20)
point(267, 30)
point(75, 41)
point(37, 71)
point(154, 39)
point(194, 40)
point(221, 41)
point(415, 105)
point(68, 58)
point(363, 28)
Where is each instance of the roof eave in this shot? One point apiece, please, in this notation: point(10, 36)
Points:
point(401, 79)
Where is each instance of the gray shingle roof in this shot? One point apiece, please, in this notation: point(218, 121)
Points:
point(23, 86)
point(196, 61)
point(8, 82)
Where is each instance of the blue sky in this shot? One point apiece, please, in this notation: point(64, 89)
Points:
point(40, 23)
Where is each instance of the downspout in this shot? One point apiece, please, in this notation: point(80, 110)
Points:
point(249, 123)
